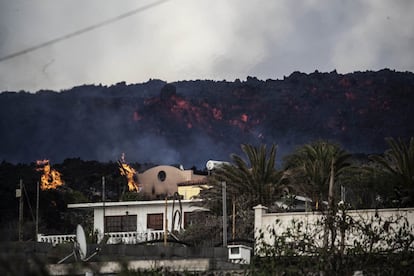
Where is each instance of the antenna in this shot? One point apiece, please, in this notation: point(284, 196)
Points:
point(80, 247)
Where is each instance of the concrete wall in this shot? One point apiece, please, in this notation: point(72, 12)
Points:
point(264, 221)
point(30, 258)
point(112, 258)
point(195, 265)
point(119, 251)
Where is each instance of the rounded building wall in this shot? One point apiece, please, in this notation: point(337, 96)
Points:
point(162, 180)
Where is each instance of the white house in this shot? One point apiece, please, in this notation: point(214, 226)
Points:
point(134, 221)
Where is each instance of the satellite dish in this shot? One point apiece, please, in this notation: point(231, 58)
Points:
point(212, 164)
point(80, 247)
point(81, 242)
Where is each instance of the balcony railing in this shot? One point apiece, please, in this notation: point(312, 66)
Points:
point(113, 237)
point(134, 237)
point(56, 239)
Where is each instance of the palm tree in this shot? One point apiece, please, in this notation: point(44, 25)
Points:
point(249, 181)
point(313, 167)
point(397, 166)
point(255, 178)
point(369, 186)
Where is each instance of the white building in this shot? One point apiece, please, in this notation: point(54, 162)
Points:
point(137, 221)
point(132, 222)
point(161, 181)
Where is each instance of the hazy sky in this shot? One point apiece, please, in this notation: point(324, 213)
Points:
point(199, 39)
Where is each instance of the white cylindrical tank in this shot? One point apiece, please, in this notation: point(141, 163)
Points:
point(213, 164)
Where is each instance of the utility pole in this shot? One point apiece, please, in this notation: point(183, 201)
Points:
point(224, 214)
point(234, 219)
point(37, 210)
point(103, 206)
point(20, 210)
point(331, 187)
point(165, 222)
point(343, 193)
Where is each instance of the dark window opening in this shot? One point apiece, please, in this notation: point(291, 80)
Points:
point(126, 223)
point(155, 221)
point(162, 176)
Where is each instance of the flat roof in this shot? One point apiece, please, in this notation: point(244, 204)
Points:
point(194, 182)
point(129, 203)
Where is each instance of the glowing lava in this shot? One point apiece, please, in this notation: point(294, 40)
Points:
point(244, 117)
point(130, 174)
point(50, 179)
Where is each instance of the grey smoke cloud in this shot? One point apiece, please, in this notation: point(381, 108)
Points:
point(205, 39)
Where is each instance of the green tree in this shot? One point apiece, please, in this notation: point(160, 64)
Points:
point(367, 185)
point(249, 181)
point(256, 179)
point(397, 166)
point(312, 167)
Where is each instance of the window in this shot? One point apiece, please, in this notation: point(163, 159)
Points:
point(121, 223)
point(162, 176)
point(155, 221)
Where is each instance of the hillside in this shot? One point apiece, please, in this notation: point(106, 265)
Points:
point(189, 122)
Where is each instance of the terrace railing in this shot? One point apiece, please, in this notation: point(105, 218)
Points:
point(113, 237)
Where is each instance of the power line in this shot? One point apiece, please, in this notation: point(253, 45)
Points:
point(84, 30)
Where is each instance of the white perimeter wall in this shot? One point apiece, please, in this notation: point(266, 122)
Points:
point(264, 220)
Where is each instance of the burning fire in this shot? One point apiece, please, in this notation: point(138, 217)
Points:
point(130, 174)
point(50, 179)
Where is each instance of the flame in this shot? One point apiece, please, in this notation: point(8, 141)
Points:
point(50, 179)
point(130, 174)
